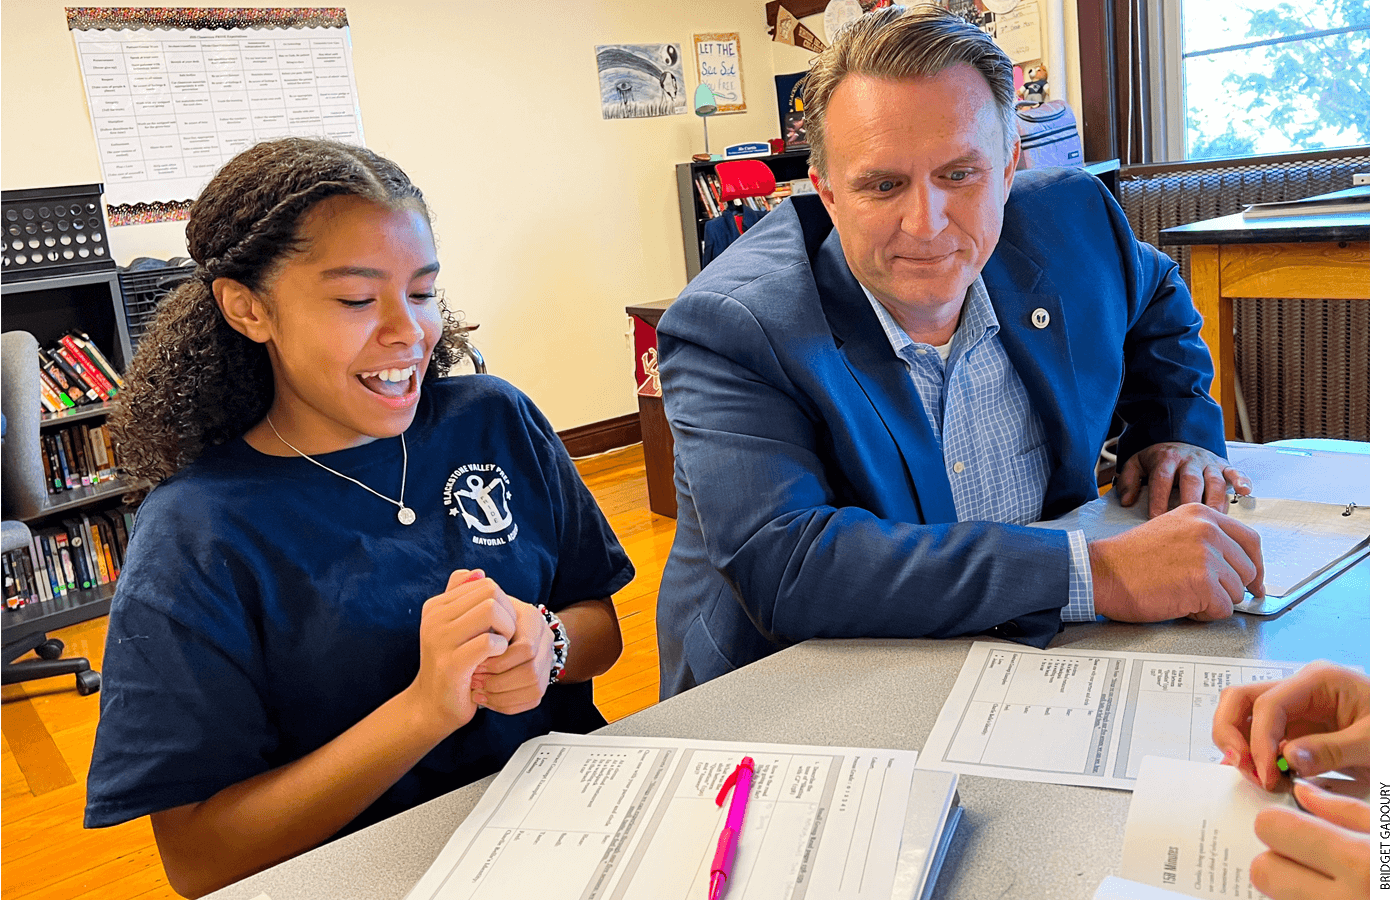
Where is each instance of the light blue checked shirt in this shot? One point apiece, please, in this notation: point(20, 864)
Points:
point(980, 413)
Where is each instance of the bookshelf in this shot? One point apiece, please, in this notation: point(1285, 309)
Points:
point(787, 166)
point(91, 302)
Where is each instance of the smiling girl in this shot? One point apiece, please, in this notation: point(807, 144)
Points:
point(358, 583)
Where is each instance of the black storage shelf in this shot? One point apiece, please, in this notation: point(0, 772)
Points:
point(60, 612)
point(76, 414)
point(78, 497)
point(48, 307)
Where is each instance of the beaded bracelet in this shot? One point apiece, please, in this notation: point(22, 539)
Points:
point(561, 643)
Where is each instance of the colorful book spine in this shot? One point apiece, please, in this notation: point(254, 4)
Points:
point(93, 438)
point(76, 462)
point(54, 564)
point(41, 573)
point(706, 201)
point(80, 361)
point(12, 600)
point(72, 377)
point(49, 398)
point(77, 549)
point(75, 367)
point(46, 457)
point(47, 383)
point(61, 379)
point(113, 519)
point(90, 552)
point(109, 547)
point(48, 588)
point(20, 563)
point(111, 447)
point(95, 544)
point(101, 361)
point(66, 462)
point(65, 558)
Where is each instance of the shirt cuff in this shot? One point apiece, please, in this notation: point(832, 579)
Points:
point(1081, 582)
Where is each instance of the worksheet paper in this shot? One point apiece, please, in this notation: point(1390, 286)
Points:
point(1080, 716)
point(1190, 830)
point(598, 817)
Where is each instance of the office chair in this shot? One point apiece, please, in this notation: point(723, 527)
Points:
point(24, 496)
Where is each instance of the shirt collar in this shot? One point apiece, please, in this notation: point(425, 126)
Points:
point(978, 319)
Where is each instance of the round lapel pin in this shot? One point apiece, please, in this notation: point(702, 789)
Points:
point(1040, 318)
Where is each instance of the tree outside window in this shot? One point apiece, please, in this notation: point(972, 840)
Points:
point(1273, 77)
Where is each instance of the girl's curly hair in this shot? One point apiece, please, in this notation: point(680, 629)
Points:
point(195, 382)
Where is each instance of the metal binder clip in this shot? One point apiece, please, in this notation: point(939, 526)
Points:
point(1351, 507)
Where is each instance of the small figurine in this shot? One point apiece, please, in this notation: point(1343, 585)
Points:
point(1033, 91)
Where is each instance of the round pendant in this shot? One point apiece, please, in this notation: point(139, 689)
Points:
point(406, 515)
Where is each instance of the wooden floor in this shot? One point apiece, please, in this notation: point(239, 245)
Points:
point(48, 729)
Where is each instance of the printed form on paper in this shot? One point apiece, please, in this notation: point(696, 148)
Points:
point(1081, 717)
point(599, 817)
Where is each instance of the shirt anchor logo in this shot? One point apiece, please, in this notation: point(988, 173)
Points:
point(482, 501)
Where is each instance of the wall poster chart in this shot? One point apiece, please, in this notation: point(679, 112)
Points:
point(174, 93)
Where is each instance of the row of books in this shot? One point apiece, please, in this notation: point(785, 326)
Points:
point(73, 372)
point(77, 456)
point(80, 554)
point(707, 185)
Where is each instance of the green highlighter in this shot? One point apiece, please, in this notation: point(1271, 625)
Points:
point(1288, 776)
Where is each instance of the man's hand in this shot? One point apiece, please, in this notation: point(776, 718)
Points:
point(1193, 562)
point(1199, 475)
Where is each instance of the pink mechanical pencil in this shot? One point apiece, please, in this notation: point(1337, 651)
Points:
point(740, 780)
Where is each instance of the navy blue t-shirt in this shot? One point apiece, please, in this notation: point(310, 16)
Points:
point(267, 605)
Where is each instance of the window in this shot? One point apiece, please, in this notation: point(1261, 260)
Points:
point(1244, 77)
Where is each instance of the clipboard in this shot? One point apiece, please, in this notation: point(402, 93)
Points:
point(1359, 528)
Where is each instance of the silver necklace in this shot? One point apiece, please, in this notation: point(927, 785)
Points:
point(406, 515)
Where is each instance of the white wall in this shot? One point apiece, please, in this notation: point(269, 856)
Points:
point(550, 220)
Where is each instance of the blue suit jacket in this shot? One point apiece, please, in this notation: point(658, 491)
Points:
point(812, 495)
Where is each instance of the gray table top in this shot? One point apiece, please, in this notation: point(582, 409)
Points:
point(1017, 839)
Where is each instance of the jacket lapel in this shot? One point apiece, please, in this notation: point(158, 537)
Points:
point(882, 376)
point(1044, 359)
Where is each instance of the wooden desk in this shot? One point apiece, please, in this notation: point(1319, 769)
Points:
point(1305, 258)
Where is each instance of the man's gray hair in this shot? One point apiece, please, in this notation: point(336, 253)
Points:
point(897, 43)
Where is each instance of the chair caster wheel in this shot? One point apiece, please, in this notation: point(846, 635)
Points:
point(50, 649)
point(89, 682)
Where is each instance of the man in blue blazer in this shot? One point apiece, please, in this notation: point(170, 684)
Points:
point(875, 389)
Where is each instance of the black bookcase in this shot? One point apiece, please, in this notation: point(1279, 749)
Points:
point(47, 308)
